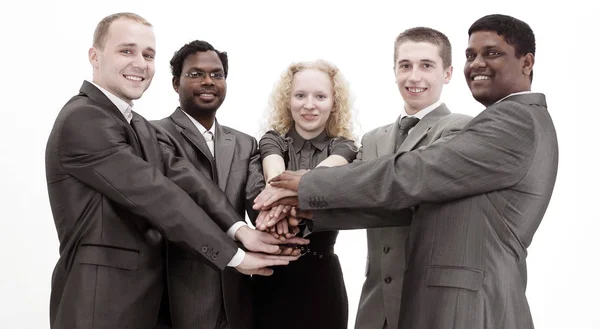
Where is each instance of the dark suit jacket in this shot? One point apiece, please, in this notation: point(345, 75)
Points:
point(481, 197)
point(198, 292)
point(112, 203)
point(382, 290)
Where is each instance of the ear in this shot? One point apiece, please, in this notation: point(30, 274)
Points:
point(528, 61)
point(93, 57)
point(448, 74)
point(175, 82)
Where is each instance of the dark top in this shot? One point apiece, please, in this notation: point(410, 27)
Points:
point(299, 153)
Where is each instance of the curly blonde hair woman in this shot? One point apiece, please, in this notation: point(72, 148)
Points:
point(340, 121)
point(311, 121)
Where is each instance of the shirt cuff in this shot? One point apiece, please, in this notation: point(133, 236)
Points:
point(234, 228)
point(237, 258)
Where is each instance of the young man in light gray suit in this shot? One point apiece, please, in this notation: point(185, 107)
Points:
point(481, 195)
point(201, 296)
point(422, 66)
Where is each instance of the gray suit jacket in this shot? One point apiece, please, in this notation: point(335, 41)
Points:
point(481, 197)
point(114, 194)
point(382, 290)
point(200, 296)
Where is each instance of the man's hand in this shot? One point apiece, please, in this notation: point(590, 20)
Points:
point(288, 180)
point(259, 241)
point(258, 264)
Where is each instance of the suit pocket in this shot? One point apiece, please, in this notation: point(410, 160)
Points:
point(455, 277)
point(126, 259)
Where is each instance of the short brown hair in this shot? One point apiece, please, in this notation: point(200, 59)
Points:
point(101, 31)
point(426, 34)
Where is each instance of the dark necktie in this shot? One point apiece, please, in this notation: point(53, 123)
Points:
point(406, 123)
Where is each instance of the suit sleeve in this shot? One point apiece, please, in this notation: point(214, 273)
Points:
point(200, 188)
point(349, 219)
point(93, 149)
point(493, 152)
point(255, 182)
point(453, 128)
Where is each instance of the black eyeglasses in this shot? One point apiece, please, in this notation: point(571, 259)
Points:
point(202, 75)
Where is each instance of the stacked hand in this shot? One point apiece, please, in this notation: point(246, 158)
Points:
point(264, 251)
point(278, 203)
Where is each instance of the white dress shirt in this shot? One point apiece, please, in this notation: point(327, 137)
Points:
point(422, 113)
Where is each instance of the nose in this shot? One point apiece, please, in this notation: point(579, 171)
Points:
point(309, 104)
point(140, 62)
point(207, 81)
point(415, 75)
point(477, 62)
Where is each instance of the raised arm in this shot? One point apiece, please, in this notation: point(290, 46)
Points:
point(493, 152)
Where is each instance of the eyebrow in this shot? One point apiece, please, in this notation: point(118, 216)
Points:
point(216, 69)
point(131, 44)
point(484, 48)
point(420, 61)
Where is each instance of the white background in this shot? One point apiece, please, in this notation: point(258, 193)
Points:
point(43, 61)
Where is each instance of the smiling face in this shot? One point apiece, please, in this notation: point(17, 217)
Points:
point(201, 96)
point(311, 101)
point(420, 74)
point(125, 64)
point(492, 69)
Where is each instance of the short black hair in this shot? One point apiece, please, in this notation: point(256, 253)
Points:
point(516, 32)
point(192, 48)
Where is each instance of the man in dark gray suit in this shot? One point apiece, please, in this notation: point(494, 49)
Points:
point(201, 296)
point(115, 193)
point(481, 195)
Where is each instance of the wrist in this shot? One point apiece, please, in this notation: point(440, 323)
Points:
point(241, 233)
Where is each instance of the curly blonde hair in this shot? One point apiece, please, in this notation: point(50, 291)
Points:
point(339, 123)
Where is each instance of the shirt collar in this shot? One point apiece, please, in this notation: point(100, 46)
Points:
point(514, 94)
point(199, 126)
point(422, 113)
point(319, 142)
point(119, 103)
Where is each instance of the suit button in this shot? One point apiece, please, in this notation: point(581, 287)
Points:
point(387, 279)
point(386, 249)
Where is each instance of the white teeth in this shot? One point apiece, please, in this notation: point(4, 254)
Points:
point(131, 77)
point(416, 90)
point(481, 77)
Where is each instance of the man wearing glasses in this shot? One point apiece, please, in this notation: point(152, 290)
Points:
point(201, 296)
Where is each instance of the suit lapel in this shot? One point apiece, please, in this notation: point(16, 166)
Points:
point(140, 133)
point(387, 141)
point(98, 96)
point(190, 132)
point(146, 140)
point(224, 147)
point(422, 128)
